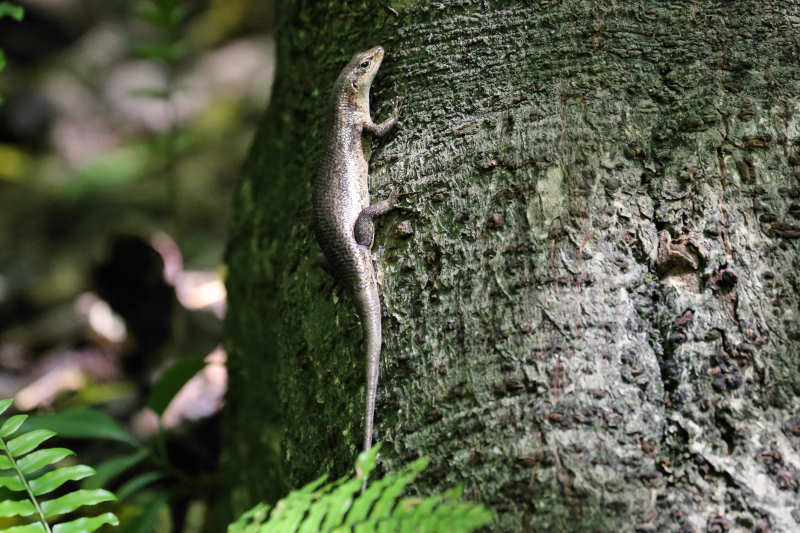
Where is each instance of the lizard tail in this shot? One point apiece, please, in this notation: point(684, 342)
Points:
point(369, 304)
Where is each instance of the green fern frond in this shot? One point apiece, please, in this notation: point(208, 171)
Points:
point(337, 506)
point(23, 468)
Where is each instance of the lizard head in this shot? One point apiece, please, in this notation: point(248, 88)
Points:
point(360, 72)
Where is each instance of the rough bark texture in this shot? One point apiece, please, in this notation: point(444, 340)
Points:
point(594, 324)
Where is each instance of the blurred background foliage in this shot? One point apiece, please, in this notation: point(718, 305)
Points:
point(122, 128)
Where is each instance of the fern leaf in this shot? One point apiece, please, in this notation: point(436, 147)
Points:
point(9, 508)
point(27, 528)
point(79, 525)
point(413, 509)
point(11, 425)
point(418, 515)
point(383, 494)
point(341, 496)
point(318, 512)
point(384, 506)
point(29, 472)
point(55, 478)
point(11, 482)
point(41, 458)
point(250, 521)
point(28, 442)
point(338, 506)
point(73, 500)
point(86, 525)
point(290, 511)
point(5, 403)
point(338, 502)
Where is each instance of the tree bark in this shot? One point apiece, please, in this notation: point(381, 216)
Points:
point(591, 306)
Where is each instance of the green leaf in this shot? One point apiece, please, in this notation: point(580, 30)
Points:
point(289, 512)
point(317, 512)
point(340, 498)
point(388, 488)
point(337, 507)
point(41, 458)
point(417, 513)
point(9, 508)
point(11, 425)
point(137, 483)
point(28, 441)
point(36, 527)
point(11, 482)
point(82, 424)
point(7, 9)
point(52, 480)
point(250, 520)
point(411, 509)
point(36, 461)
point(6, 403)
point(171, 381)
point(339, 503)
point(73, 500)
point(86, 525)
point(386, 503)
point(365, 462)
point(111, 468)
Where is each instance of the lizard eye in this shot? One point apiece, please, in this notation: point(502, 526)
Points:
point(365, 64)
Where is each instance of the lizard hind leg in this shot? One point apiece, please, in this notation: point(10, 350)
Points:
point(379, 130)
point(364, 230)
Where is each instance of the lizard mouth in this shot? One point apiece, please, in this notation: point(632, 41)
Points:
point(376, 54)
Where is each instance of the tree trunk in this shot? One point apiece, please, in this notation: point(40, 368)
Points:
point(591, 315)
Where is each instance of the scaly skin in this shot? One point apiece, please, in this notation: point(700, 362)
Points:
point(342, 212)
